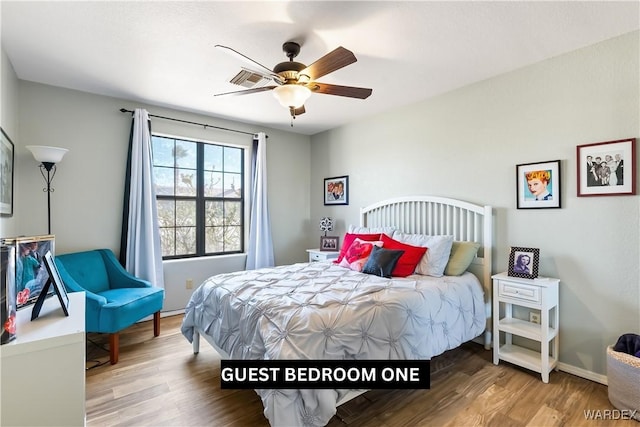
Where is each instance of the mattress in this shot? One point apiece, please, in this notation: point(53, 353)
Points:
point(321, 311)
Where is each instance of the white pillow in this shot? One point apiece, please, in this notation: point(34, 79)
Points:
point(371, 230)
point(435, 259)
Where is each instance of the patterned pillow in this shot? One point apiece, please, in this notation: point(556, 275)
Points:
point(382, 261)
point(356, 255)
point(408, 262)
point(348, 240)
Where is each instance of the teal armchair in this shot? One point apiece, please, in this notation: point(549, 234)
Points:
point(115, 299)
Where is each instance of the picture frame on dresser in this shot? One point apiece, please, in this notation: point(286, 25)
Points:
point(524, 262)
point(55, 282)
point(329, 243)
point(607, 168)
point(30, 272)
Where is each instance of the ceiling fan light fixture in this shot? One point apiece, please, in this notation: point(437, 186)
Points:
point(291, 95)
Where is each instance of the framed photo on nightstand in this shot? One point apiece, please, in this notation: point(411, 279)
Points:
point(524, 262)
point(329, 243)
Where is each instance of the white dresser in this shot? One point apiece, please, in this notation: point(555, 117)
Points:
point(43, 369)
point(541, 297)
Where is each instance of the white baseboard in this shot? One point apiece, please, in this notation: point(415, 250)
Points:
point(583, 373)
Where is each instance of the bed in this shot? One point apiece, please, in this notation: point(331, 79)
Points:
point(325, 311)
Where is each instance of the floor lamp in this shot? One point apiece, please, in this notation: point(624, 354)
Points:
point(48, 157)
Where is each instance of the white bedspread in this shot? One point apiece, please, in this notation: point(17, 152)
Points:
point(323, 311)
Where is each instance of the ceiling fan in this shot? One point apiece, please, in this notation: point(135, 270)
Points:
point(292, 82)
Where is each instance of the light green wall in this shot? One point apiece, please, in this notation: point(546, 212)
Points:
point(466, 144)
point(86, 207)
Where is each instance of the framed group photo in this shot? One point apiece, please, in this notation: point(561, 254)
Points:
point(336, 190)
point(524, 262)
point(538, 185)
point(607, 168)
point(329, 243)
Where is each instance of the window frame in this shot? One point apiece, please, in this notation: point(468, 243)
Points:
point(200, 199)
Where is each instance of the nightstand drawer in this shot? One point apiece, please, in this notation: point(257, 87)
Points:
point(519, 291)
point(315, 256)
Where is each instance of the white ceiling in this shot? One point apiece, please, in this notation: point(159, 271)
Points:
point(162, 52)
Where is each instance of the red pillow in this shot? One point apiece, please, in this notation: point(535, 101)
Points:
point(408, 262)
point(348, 240)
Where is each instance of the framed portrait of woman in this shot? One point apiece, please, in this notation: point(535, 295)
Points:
point(524, 262)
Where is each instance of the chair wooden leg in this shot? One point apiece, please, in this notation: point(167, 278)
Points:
point(114, 347)
point(156, 323)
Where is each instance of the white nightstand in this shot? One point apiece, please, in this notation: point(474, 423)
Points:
point(536, 294)
point(316, 255)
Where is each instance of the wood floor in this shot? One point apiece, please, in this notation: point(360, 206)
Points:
point(160, 382)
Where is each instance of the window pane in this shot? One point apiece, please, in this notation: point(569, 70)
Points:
point(185, 240)
point(167, 241)
point(212, 157)
point(162, 151)
point(232, 239)
point(213, 184)
point(166, 213)
point(213, 213)
point(163, 180)
point(232, 185)
point(186, 213)
point(186, 182)
point(214, 239)
point(232, 159)
point(232, 213)
point(186, 154)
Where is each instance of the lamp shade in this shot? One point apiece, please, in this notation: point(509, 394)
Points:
point(291, 95)
point(326, 224)
point(46, 154)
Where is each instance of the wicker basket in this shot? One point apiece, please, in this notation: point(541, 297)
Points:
point(623, 376)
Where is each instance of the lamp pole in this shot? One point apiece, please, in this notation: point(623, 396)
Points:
point(51, 171)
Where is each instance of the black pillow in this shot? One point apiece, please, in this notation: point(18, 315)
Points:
point(382, 261)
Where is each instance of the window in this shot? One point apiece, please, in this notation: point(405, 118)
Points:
point(200, 197)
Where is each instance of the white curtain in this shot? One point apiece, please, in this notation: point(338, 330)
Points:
point(140, 248)
point(260, 251)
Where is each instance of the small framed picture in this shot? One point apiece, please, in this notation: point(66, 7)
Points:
point(336, 190)
point(6, 174)
point(55, 281)
point(329, 243)
point(602, 171)
point(538, 185)
point(523, 262)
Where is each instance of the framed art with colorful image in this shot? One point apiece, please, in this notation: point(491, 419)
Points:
point(538, 185)
point(6, 174)
point(336, 190)
point(607, 168)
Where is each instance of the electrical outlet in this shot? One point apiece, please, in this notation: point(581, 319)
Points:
point(534, 317)
point(189, 283)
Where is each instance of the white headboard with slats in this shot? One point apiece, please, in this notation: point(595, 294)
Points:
point(439, 216)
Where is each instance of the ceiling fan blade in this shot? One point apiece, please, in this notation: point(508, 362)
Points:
point(329, 63)
point(263, 70)
point(247, 91)
point(348, 91)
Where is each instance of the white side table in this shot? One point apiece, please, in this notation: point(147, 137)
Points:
point(539, 295)
point(316, 255)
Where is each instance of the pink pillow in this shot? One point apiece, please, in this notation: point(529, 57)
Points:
point(348, 240)
point(357, 254)
point(408, 262)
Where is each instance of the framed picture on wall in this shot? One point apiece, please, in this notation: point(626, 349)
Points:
point(538, 185)
point(524, 262)
point(607, 168)
point(6, 174)
point(336, 190)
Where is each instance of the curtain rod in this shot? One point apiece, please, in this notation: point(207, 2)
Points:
point(124, 110)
